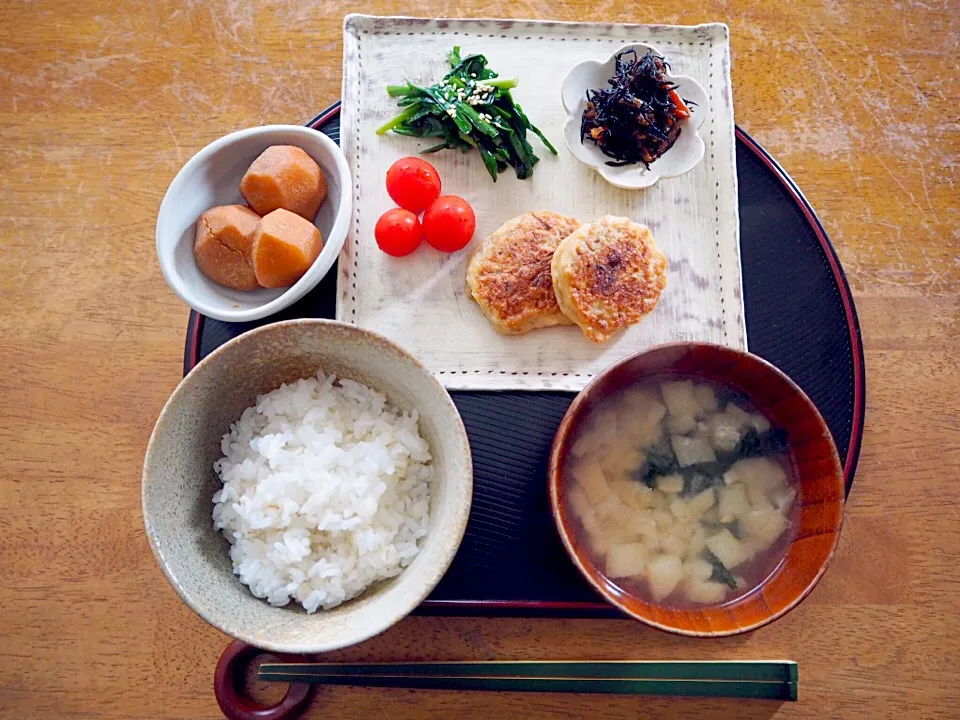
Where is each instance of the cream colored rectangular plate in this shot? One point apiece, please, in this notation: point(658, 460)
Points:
point(421, 302)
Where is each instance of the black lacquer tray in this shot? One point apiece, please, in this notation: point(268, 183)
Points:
point(800, 316)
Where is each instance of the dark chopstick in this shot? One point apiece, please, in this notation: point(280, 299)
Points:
point(777, 680)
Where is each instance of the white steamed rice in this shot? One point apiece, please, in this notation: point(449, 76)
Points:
point(326, 491)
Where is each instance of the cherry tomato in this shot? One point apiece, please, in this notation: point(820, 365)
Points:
point(413, 183)
point(448, 223)
point(398, 232)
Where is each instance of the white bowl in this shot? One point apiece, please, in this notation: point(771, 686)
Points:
point(179, 481)
point(682, 157)
point(212, 177)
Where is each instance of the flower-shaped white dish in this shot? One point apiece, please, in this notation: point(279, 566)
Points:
point(682, 156)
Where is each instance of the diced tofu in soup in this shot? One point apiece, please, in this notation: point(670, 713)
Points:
point(766, 524)
point(633, 494)
point(681, 424)
point(761, 476)
point(670, 483)
point(737, 414)
point(680, 399)
point(760, 423)
point(728, 549)
point(725, 433)
point(592, 480)
point(700, 503)
point(664, 573)
point(681, 510)
point(663, 519)
point(692, 450)
point(578, 501)
point(706, 397)
point(673, 545)
point(698, 569)
point(648, 428)
point(783, 499)
point(675, 486)
point(626, 560)
point(643, 526)
point(697, 541)
point(704, 592)
point(733, 503)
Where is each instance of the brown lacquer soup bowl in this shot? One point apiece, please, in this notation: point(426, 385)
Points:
point(816, 476)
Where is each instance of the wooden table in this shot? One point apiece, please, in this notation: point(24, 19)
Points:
point(100, 104)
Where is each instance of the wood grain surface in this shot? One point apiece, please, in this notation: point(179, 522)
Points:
point(101, 101)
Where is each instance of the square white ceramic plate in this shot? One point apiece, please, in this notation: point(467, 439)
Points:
point(421, 302)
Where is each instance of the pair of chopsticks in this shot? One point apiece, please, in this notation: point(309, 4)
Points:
point(762, 679)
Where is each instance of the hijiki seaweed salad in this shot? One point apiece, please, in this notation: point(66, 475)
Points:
point(471, 107)
point(637, 119)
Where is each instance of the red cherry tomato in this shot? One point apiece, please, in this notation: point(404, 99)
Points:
point(413, 183)
point(448, 223)
point(398, 232)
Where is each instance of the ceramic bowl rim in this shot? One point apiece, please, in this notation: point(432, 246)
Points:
point(452, 545)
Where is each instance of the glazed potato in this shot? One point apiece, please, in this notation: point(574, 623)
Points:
point(284, 247)
point(223, 246)
point(284, 176)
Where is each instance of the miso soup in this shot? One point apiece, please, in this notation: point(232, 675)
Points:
point(683, 491)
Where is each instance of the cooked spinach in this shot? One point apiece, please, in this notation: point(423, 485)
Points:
point(470, 108)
